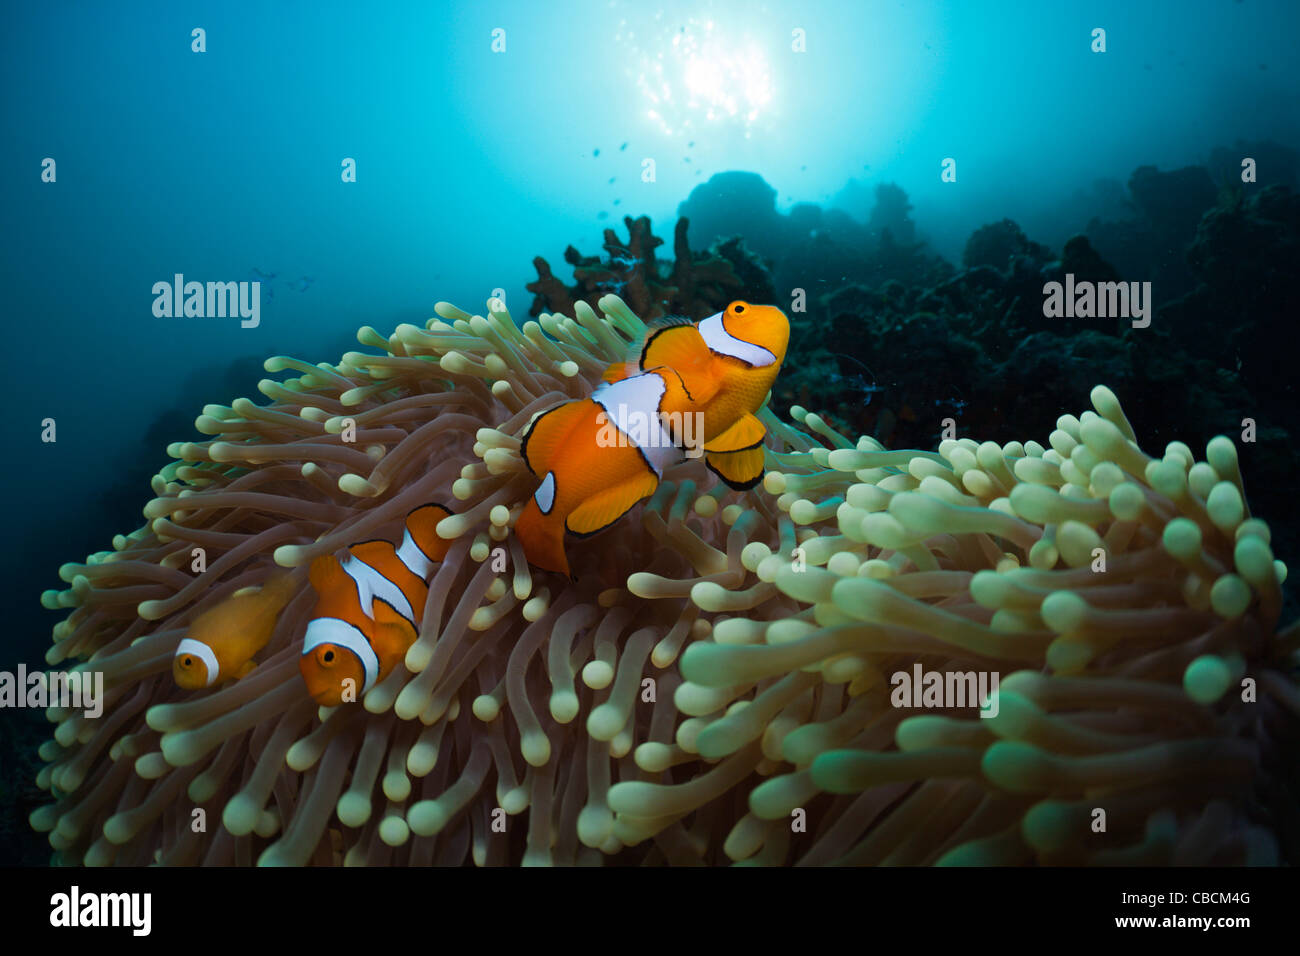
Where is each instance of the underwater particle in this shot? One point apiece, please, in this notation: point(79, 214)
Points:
point(618, 202)
point(691, 144)
point(602, 215)
point(595, 153)
point(623, 147)
point(264, 278)
point(612, 178)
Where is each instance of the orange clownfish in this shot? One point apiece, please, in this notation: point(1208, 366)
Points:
point(222, 641)
point(692, 387)
point(369, 609)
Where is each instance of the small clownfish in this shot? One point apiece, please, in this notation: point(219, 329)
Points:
point(222, 641)
point(369, 609)
point(720, 369)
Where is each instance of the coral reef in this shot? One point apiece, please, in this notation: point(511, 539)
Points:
point(695, 284)
point(714, 685)
point(1152, 245)
point(996, 244)
point(812, 248)
point(737, 203)
point(1275, 164)
point(866, 351)
point(1232, 324)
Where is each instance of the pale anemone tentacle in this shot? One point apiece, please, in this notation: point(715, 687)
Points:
point(716, 686)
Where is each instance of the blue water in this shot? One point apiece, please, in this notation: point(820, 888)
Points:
point(225, 165)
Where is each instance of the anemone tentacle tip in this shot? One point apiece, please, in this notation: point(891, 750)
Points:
point(724, 657)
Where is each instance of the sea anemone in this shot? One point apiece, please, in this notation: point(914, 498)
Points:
point(714, 685)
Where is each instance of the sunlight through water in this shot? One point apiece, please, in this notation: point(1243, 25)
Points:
point(692, 74)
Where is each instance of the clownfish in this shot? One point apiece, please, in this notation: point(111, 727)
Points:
point(369, 609)
point(222, 641)
point(692, 386)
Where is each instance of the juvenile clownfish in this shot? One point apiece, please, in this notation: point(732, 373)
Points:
point(720, 369)
point(222, 641)
point(369, 609)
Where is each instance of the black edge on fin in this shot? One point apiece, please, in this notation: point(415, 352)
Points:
point(744, 486)
point(655, 329)
point(528, 433)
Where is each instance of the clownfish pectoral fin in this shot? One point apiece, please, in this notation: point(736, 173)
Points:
point(545, 438)
point(248, 668)
point(603, 509)
point(393, 637)
point(682, 349)
point(740, 469)
point(388, 616)
point(746, 433)
point(422, 523)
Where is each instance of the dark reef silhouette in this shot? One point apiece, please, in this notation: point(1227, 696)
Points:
point(892, 338)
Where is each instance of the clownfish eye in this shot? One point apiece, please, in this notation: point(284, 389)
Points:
point(187, 662)
point(738, 309)
point(328, 657)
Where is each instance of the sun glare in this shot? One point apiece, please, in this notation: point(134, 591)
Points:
point(692, 74)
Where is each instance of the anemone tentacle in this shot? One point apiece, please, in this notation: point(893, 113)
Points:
point(715, 686)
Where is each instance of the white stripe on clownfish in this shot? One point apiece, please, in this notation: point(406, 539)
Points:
point(204, 653)
point(632, 406)
point(545, 494)
point(331, 630)
point(719, 340)
point(371, 584)
point(416, 561)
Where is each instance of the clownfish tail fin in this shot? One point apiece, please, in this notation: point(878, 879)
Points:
point(422, 523)
point(542, 536)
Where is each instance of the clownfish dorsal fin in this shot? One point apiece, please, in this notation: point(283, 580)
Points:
point(682, 348)
point(741, 469)
point(746, 432)
point(372, 552)
point(632, 365)
point(666, 321)
point(619, 371)
point(604, 508)
point(545, 439)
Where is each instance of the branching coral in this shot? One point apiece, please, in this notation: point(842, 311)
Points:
point(704, 689)
point(694, 285)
